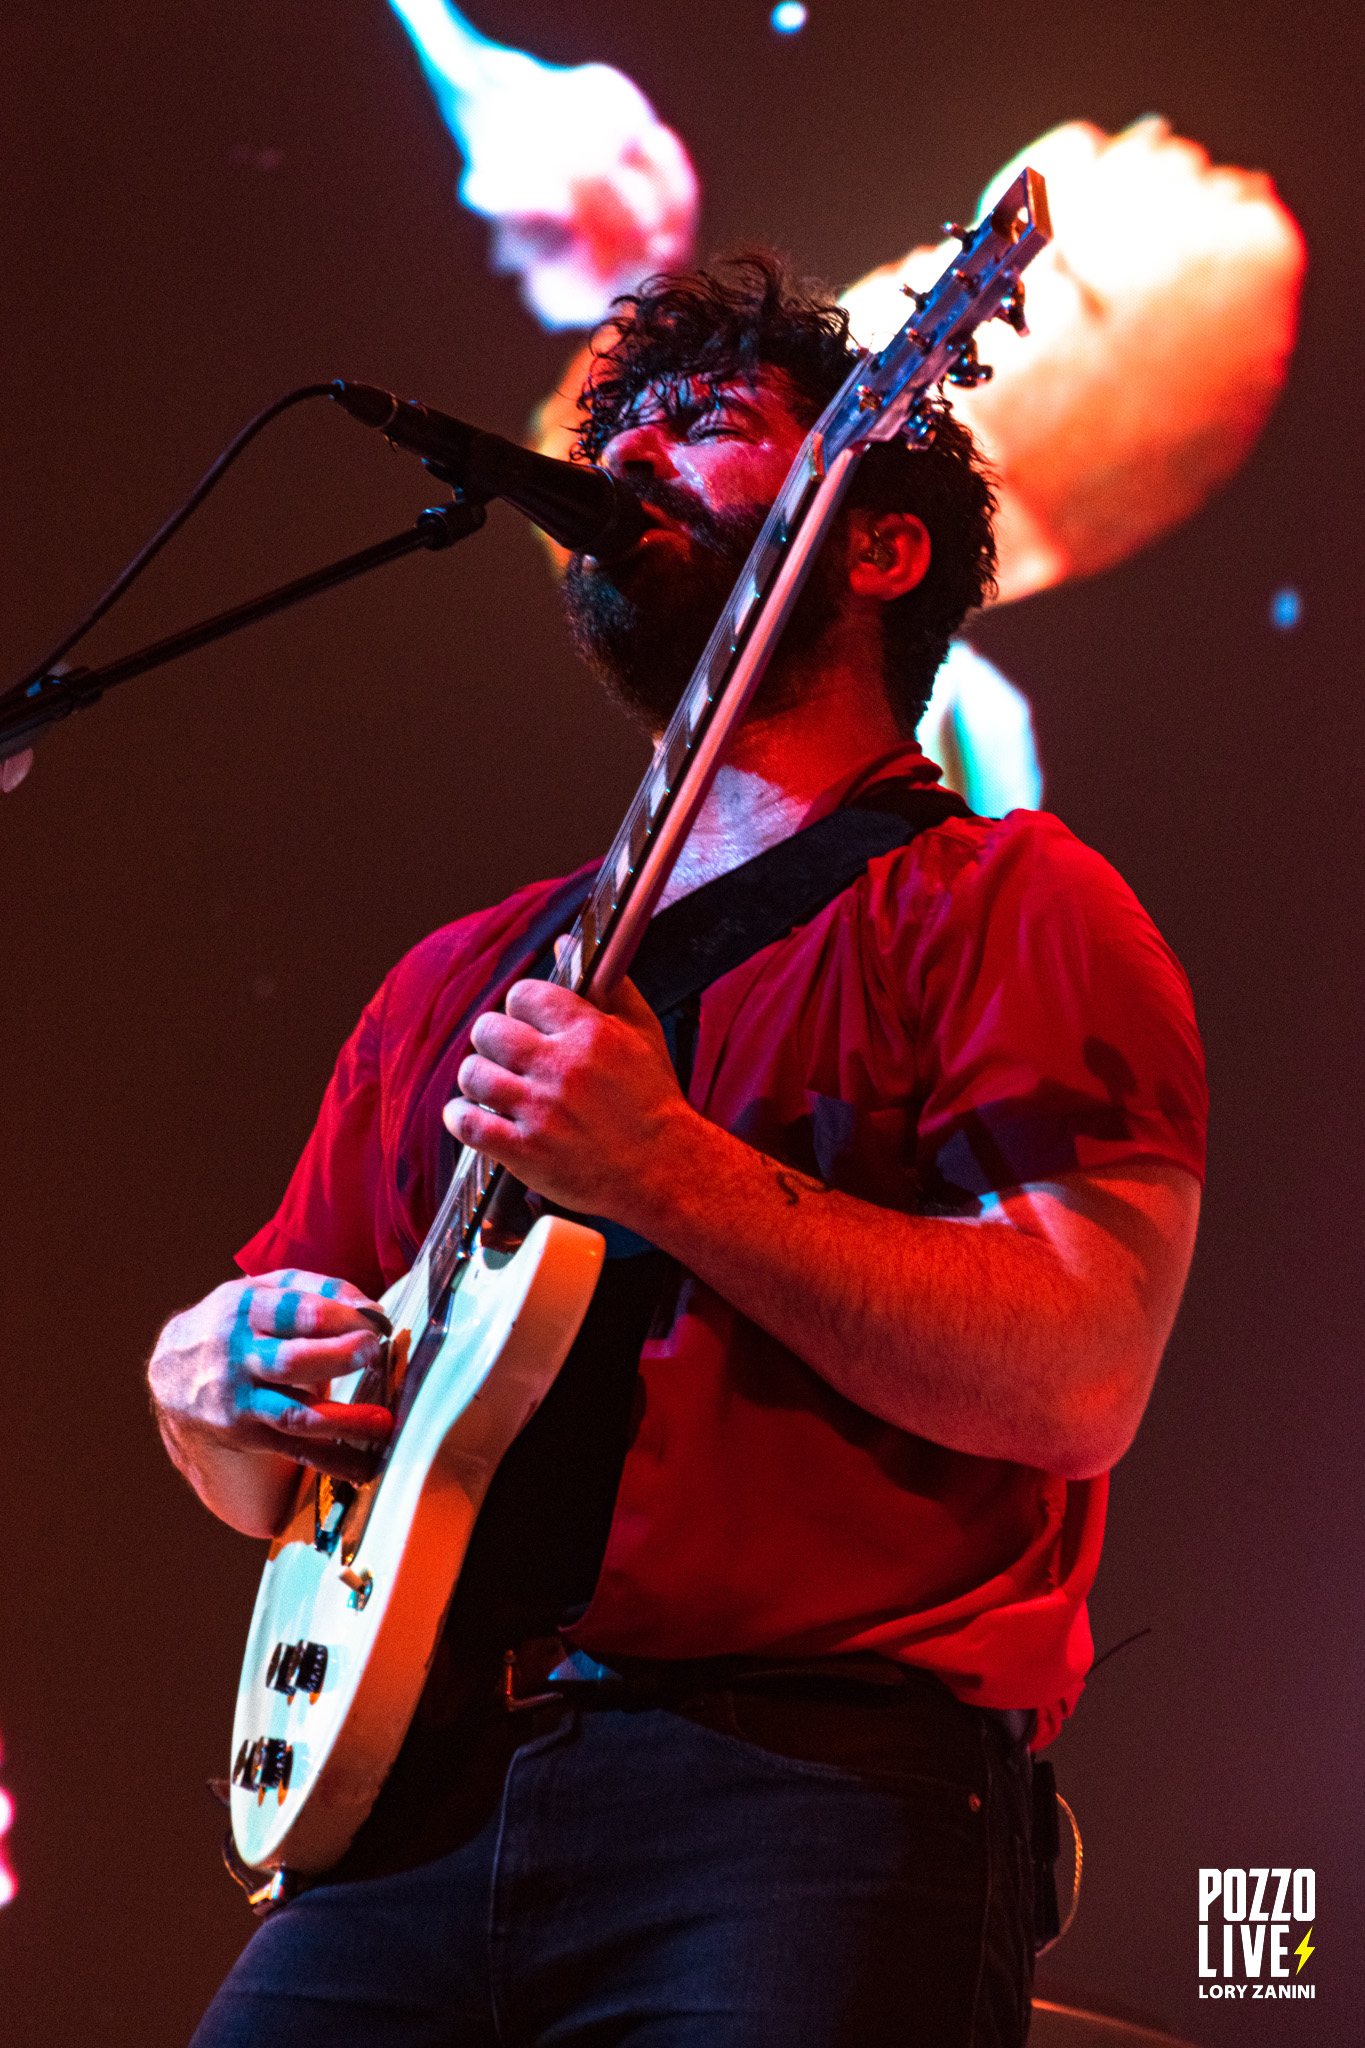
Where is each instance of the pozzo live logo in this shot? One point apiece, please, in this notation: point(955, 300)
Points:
point(1246, 1918)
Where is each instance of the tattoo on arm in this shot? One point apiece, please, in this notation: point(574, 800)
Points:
point(794, 1186)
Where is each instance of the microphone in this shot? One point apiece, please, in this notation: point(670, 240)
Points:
point(582, 507)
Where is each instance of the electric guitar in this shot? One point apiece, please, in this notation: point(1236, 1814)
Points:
point(357, 1585)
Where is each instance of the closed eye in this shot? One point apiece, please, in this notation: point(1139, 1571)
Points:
point(716, 430)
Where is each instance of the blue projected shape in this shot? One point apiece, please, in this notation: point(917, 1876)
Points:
point(587, 191)
point(788, 17)
point(1286, 609)
point(979, 729)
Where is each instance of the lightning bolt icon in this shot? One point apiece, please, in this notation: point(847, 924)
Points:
point(1304, 1950)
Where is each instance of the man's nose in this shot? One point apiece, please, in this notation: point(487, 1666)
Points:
point(639, 454)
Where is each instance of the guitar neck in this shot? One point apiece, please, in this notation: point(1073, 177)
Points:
point(884, 396)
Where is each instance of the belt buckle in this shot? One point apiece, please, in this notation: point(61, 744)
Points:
point(574, 1671)
point(513, 1702)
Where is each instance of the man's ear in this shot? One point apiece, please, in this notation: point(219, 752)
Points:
point(889, 554)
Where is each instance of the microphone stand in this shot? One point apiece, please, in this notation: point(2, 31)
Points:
point(26, 712)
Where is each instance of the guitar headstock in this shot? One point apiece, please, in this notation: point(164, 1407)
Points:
point(937, 342)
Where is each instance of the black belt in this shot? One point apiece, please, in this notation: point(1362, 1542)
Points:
point(542, 1672)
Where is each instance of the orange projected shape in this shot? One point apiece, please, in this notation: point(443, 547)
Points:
point(1162, 320)
point(553, 426)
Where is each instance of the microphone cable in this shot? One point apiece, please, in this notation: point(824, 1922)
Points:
point(168, 532)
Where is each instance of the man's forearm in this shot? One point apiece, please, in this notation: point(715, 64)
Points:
point(982, 1336)
point(1031, 1334)
point(251, 1490)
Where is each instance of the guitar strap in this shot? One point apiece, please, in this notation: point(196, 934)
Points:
point(540, 1537)
point(724, 923)
point(719, 926)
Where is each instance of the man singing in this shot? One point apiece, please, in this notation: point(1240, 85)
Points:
point(897, 1224)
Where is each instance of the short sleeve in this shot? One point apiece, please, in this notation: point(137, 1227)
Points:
point(326, 1222)
point(1057, 1027)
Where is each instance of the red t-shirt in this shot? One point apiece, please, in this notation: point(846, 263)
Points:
point(987, 1006)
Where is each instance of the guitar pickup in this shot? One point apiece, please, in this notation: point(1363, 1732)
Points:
point(265, 1765)
point(298, 1667)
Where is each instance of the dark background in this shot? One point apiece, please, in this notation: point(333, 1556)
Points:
point(203, 880)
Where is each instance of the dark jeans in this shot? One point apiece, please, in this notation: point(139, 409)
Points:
point(755, 1868)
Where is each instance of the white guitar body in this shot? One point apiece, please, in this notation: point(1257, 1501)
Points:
point(314, 1737)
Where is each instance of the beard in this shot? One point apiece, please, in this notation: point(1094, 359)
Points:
point(642, 625)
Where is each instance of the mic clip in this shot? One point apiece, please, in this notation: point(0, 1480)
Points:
point(446, 475)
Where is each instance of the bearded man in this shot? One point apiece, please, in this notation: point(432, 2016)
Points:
point(897, 1223)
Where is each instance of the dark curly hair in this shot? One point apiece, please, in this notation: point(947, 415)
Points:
point(746, 313)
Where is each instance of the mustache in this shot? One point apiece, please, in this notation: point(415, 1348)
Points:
point(641, 622)
point(719, 533)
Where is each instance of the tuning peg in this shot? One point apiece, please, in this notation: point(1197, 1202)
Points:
point(968, 371)
point(919, 300)
point(1011, 309)
point(963, 235)
point(921, 424)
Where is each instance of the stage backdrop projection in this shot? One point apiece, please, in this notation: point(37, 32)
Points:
point(1161, 321)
